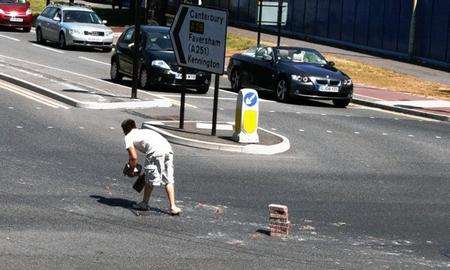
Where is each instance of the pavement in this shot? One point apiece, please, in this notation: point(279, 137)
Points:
point(366, 188)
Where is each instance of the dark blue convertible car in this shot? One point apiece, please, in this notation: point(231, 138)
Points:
point(290, 72)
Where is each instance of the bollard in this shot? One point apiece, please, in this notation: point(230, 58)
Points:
point(246, 118)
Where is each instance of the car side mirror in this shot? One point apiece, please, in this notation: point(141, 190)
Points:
point(57, 19)
point(331, 63)
point(104, 21)
point(131, 45)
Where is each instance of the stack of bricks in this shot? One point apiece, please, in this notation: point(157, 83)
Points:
point(279, 223)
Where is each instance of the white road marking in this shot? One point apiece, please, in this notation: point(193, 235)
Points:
point(221, 109)
point(274, 129)
point(271, 111)
point(420, 103)
point(298, 112)
point(173, 101)
point(81, 127)
point(329, 131)
point(38, 108)
point(396, 119)
point(323, 114)
point(410, 135)
point(11, 108)
point(47, 48)
point(372, 117)
point(438, 137)
point(112, 128)
point(228, 92)
point(385, 134)
point(49, 127)
point(19, 127)
point(31, 96)
point(94, 61)
point(356, 132)
point(348, 115)
point(11, 38)
point(301, 130)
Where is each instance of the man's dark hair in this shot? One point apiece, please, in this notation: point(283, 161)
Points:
point(128, 125)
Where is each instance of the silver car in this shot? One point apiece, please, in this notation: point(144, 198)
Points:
point(73, 26)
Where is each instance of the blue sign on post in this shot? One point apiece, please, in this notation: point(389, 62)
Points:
point(250, 99)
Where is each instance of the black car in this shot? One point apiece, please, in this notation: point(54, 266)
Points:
point(157, 63)
point(290, 72)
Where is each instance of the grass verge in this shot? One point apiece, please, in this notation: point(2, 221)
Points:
point(364, 74)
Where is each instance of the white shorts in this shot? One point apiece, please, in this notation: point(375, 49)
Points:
point(159, 169)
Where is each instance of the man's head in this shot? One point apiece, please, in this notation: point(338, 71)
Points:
point(128, 125)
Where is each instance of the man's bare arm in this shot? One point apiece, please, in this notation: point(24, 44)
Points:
point(133, 158)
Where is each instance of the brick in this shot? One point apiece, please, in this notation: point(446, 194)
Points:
point(278, 220)
point(275, 215)
point(275, 234)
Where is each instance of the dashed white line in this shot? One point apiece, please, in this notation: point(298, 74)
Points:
point(271, 111)
point(11, 38)
point(372, 117)
point(81, 127)
point(438, 137)
point(323, 114)
point(301, 130)
point(47, 48)
point(385, 134)
point(94, 61)
point(49, 127)
point(347, 115)
point(329, 131)
point(19, 127)
point(11, 108)
point(410, 135)
point(298, 112)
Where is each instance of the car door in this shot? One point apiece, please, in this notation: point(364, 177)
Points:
point(125, 52)
point(264, 69)
point(44, 21)
point(54, 24)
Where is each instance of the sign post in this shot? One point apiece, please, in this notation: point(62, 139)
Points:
point(137, 47)
point(247, 114)
point(198, 37)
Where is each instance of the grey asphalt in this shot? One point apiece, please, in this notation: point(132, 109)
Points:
point(366, 189)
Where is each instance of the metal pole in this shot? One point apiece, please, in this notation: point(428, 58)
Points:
point(412, 29)
point(259, 22)
point(280, 12)
point(216, 101)
point(137, 43)
point(183, 97)
point(145, 12)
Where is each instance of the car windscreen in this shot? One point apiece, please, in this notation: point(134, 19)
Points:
point(301, 56)
point(157, 41)
point(79, 16)
point(13, 1)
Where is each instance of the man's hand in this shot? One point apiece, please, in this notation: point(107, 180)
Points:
point(133, 158)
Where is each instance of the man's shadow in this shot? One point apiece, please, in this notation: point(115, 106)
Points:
point(125, 203)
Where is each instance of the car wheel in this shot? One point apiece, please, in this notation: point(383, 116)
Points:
point(39, 38)
point(114, 72)
point(143, 78)
point(235, 80)
point(203, 89)
point(341, 103)
point(26, 29)
point(62, 41)
point(282, 91)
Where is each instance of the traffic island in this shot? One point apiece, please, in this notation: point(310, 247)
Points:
point(197, 134)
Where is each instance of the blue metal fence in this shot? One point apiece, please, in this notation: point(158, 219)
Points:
point(373, 25)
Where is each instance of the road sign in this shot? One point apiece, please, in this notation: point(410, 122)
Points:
point(246, 118)
point(268, 13)
point(199, 38)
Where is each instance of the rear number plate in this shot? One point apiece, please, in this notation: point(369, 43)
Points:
point(189, 77)
point(325, 88)
point(15, 19)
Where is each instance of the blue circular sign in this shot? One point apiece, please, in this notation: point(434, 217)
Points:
point(250, 99)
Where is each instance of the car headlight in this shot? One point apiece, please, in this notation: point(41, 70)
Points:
point(75, 32)
point(28, 12)
point(161, 64)
point(300, 78)
point(109, 33)
point(1, 11)
point(348, 82)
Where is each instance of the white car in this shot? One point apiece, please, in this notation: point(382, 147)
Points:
point(71, 25)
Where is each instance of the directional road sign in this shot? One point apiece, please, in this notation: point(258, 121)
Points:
point(199, 38)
